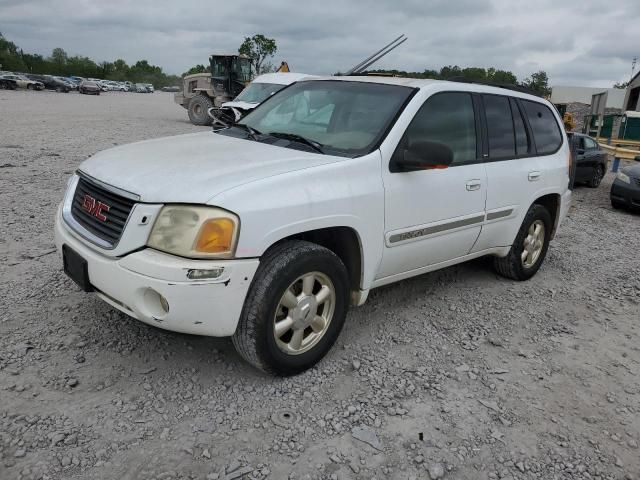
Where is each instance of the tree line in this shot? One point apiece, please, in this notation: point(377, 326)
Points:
point(538, 81)
point(14, 59)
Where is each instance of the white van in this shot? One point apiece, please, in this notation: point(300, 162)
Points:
point(268, 230)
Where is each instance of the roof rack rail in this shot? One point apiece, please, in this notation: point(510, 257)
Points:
point(508, 86)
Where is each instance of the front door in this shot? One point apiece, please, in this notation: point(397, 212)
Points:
point(432, 216)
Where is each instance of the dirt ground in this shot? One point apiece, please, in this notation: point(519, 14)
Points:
point(458, 374)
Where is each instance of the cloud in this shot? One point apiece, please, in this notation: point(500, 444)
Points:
point(576, 42)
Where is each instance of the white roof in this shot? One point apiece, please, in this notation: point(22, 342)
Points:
point(280, 78)
point(427, 83)
point(632, 114)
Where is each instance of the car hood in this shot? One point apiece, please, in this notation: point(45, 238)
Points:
point(632, 170)
point(193, 168)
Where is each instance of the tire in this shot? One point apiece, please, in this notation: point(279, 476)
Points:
point(282, 269)
point(598, 174)
point(616, 204)
point(59, 89)
point(29, 87)
point(198, 110)
point(513, 266)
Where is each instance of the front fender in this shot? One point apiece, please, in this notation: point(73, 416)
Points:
point(348, 193)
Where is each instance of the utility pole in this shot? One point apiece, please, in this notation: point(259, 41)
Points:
point(633, 67)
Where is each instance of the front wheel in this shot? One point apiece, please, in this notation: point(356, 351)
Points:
point(598, 174)
point(29, 87)
point(295, 308)
point(530, 246)
point(198, 110)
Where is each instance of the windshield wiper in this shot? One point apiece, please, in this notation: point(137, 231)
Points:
point(253, 133)
point(298, 138)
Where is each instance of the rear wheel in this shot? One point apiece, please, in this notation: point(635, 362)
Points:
point(198, 110)
point(598, 174)
point(530, 246)
point(295, 309)
point(29, 87)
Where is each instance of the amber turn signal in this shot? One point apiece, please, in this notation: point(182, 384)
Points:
point(215, 236)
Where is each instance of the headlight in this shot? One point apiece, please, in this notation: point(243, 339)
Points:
point(623, 177)
point(195, 232)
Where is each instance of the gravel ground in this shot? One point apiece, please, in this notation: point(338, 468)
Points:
point(457, 374)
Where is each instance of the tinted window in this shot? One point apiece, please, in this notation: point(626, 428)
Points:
point(499, 126)
point(590, 144)
point(522, 138)
point(546, 133)
point(446, 118)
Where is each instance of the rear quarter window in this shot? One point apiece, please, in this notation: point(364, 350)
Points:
point(544, 126)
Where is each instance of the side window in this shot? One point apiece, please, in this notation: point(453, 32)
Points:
point(546, 132)
point(446, 118)
point(500, 129)
point(192, 85)
point(590, 144)
point(523, 145)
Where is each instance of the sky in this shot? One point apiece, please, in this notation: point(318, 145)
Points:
point(587, 43)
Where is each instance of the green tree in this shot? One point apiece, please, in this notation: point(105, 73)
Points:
point(501, 76)
point(10, 57)
point(621, 85)
point(538, 82)
point(258, 48)
point(197, 69)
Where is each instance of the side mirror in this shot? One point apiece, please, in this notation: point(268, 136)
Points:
point(580, 151)
point(423, 156)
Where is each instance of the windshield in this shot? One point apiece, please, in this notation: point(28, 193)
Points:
point(345, 118)
point(258, 92)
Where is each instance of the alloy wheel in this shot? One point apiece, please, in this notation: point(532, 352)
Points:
point(304, 313)
point(533, 244)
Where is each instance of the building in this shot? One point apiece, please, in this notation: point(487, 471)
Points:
point(564, 95)
point(632, 97)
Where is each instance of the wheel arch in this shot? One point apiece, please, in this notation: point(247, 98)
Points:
point(344, 241)
point(551, 202)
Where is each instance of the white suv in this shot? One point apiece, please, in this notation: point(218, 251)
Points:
point(268, 230)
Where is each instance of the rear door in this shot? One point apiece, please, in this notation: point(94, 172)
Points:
point(513, 169)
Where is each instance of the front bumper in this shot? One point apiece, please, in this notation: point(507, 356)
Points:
point(133, 283)
point(624, 193)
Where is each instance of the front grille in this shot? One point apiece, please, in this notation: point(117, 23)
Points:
point(115, 218)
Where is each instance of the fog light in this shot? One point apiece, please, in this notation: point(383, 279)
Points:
point(155, 303)
point(202, 274)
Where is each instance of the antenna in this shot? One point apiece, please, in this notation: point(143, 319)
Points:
point(378, 55)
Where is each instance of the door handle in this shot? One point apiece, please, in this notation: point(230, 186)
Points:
point(533, 176)
point(473, 185)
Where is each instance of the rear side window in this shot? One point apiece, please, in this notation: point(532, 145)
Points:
point(523, 145)
point(499, 127)
point(446, 118)
point(546, 133)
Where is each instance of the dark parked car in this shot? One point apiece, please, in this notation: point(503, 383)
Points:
point(51, 83)
point(90, 88)
point(7, 83)
point(591, 160)
point(625, 190)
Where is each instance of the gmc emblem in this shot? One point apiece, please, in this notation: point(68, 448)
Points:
point(94, 207)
